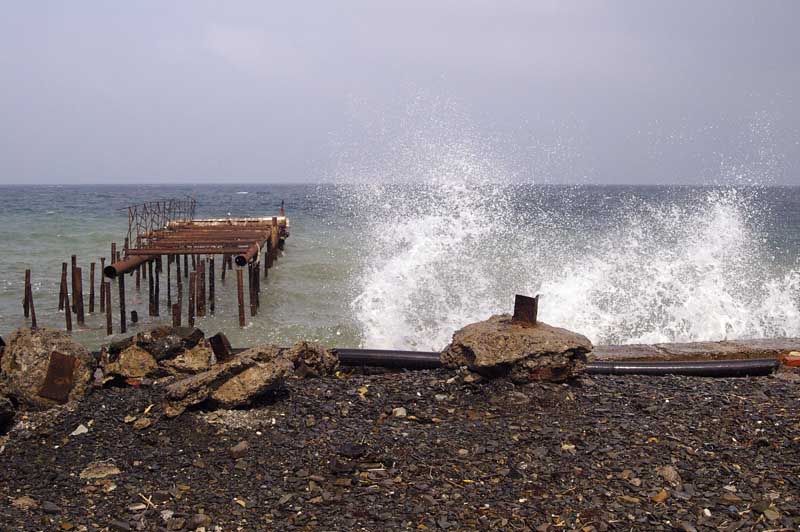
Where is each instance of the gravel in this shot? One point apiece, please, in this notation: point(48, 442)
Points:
point(599, 453)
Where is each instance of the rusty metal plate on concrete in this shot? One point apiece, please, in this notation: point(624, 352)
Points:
point(526, 309)
point(59, 381)
point(221, 347)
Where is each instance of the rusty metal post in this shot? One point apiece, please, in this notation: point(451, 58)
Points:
point(67, 311)
point(62, 292)
point(28, 300)
point(257, 279)
point(102, 285)
point(251, 285)
point(79, 304)
point(211, 284)
point(266, 268)
point(107, 291)
point(178, 268)
point(26, 306)
point(180, 294)
point(185, 266)
point(91, 288)
point(201, 289)
point(134, 317)
point(144, 270)
point(113, 253)
point(169, 282)
point(176, 315)
point(29, 297)
point(150, 288)
point(74, 306)
point(194, 262)
point(192, 290)
point(224, 267)
point(157, 290)
point(123, 327)
point(240, 293)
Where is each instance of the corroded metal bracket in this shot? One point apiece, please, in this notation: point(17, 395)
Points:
point(59, 380)
point(526, 309)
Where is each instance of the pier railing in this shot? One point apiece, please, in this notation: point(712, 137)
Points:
point(147, 217)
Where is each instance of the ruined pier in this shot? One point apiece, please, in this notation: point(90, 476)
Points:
point(164, 238)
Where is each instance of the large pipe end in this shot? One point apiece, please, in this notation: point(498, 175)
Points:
point(110, 272)
point(240, 260)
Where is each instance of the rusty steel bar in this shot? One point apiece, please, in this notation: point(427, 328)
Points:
point(62, 292)
point(240, 295)
point(192, 293)
point(63, 295)
point(91, 288)
point(109, 321)
point(102, 285)
point(123, 327)
point(176, 315)
point(211, 282)
point(67, 311)
point(26, 306)
point(79, 303)
point(74, 265)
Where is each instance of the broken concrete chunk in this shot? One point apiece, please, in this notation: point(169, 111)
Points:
point(500, 347)
point(132, 363)
point(232, 384)
point(195, 360)
point(27, 360)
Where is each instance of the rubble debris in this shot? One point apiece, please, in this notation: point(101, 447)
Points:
point(27, 363)
point(312, 360)
point(133, 362)
point(158, 352)
point(195, 360)
point(233, 384)
point(501, 346)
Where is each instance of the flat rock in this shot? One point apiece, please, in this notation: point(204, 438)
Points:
point(501, 347)
point(26, 360)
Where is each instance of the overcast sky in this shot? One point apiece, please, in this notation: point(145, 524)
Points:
point(607, 92)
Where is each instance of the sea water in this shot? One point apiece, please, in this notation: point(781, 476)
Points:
point(402, 264)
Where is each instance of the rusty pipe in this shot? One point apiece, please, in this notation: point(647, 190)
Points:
point(249, 255)
point(126, 265)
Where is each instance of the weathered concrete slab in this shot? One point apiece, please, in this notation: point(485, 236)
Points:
point(725, 350)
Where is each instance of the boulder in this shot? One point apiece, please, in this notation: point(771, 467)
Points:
point(232, 384)
point(27, 359)
point(312, 360)
point(7, 414)
point(132, 363)
point(524, 352)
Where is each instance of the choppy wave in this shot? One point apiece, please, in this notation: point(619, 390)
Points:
point(449, 238)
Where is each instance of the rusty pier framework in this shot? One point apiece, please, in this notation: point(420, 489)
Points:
point(165, 237)
point(169, 229)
